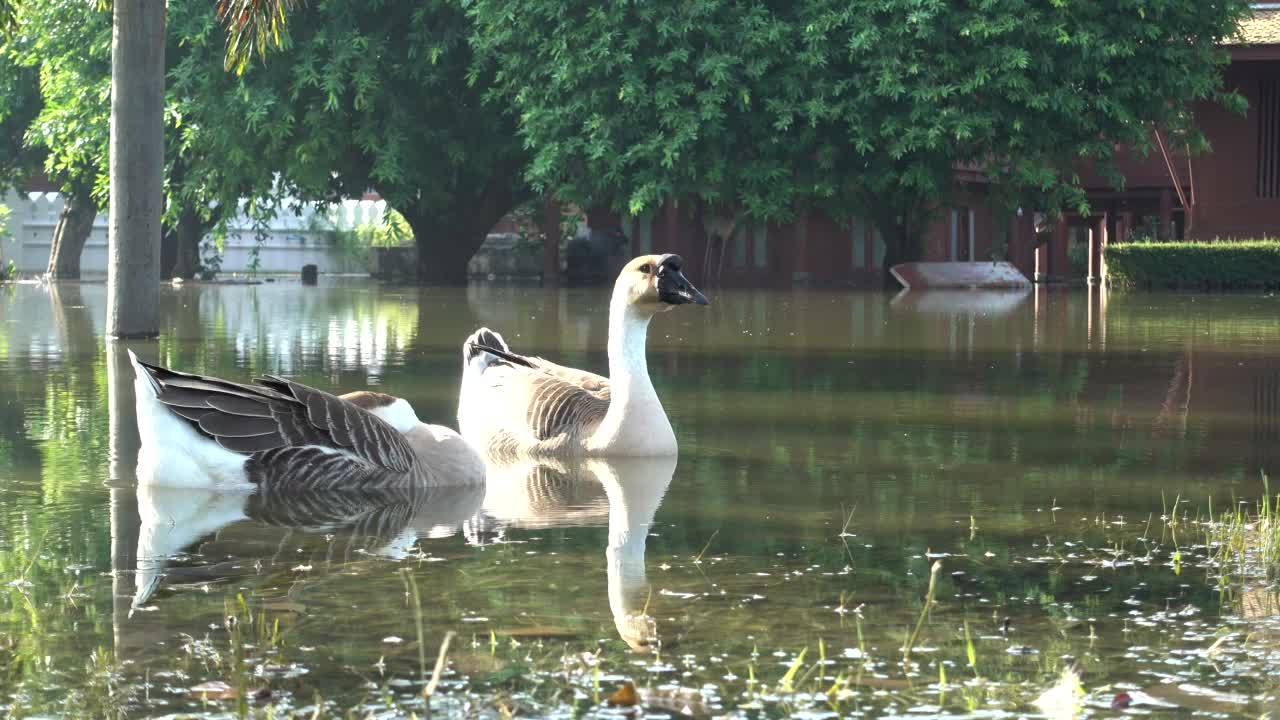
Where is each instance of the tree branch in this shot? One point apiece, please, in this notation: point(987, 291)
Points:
point(251, 25)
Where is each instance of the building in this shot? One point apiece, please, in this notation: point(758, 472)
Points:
point(1233, 191)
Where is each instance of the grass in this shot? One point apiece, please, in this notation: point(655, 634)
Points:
point(1247, 543)
point(789, 656)
point(924, 611)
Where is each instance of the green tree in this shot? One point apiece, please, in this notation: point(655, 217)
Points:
point(368, 96)
point(862, 106)
point(381, 95)
point(20, 102)
point(69, 130)
point(220, 147)
point(1023, 89)
point(627, 104)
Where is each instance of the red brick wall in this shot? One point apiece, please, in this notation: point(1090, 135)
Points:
point(1227, 202)
point(1225, 179)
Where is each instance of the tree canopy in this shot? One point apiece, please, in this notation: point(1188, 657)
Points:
point(20, 90)
point(861, 106)
point(365, 97)
point(67, 45)
point(629, 103)
point(447, 108)
point(381, 96)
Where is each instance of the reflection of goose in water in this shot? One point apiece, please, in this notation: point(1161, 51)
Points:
point(205, 432)
point(624, 491)
point(382, 519)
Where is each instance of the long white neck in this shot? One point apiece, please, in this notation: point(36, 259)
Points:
point(636, 422)
point(628, 368)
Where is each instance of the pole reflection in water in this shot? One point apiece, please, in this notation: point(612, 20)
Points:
point(122, 458)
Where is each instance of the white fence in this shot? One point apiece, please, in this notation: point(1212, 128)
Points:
point(292, 240)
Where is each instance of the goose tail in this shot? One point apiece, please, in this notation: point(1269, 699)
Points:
point(483, 348)
point(145, 381)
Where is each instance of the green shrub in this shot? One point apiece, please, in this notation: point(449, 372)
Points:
point(394, 230)
point(1235, 264)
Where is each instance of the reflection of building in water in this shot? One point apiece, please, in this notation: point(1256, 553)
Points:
point(1266, 415)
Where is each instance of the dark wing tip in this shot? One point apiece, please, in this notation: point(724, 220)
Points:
point(505, 355)
point(482, 341)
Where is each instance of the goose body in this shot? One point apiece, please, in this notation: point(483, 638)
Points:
point(518, 405)
point(206, 432)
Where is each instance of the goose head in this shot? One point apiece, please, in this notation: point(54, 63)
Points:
point(396, 412)
point(656, 283)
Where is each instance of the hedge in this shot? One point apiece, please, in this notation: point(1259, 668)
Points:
point(1234, 264)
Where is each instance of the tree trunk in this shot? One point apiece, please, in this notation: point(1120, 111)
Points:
point(137, 168)
point(444, 249)
point(446, 243)
point(189, 233)
point(74, 225)
point(549, 223)
point(168, 252)
point(901, 244)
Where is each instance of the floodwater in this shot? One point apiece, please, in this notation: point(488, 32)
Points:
point(833, 447)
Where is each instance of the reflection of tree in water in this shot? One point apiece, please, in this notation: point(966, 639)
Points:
point(53, 440)
point(285, 329)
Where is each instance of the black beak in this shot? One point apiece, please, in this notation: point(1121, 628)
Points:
point(673, 287)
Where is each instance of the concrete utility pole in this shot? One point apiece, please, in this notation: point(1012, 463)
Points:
point(137, 168)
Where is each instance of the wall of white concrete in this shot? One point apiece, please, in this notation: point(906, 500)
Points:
point(291, 240)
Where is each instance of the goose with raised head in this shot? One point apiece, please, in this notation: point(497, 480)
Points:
point(201, 431)
point(513, 404)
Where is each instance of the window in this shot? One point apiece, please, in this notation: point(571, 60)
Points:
point(644, 233)
point(639, 229)
point(962, 221)
point(1269, 138)
point(858, 239)
point(760, 253)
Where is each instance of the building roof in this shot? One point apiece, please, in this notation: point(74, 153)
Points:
point(1263, 28)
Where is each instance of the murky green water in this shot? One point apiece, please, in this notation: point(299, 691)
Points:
point(833, 446)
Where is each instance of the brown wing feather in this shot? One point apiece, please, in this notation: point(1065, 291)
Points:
point(279, 413)
point(354, 428)
point(561, 400)
point(591, 382)
point(557, 407)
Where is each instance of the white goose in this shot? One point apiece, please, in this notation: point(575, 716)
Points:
point(526, 406)
point(205, 432)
